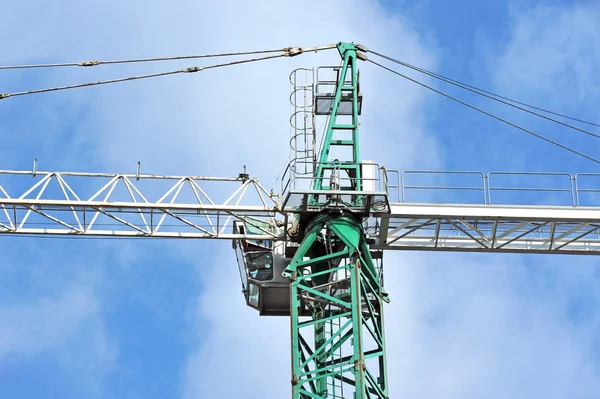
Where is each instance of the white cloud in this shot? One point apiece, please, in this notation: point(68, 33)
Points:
point(33, 327)
point(450, 333)
point(552, 54)
point(479, 326)
point(549, 61)
point(239, 354)
point(67, 326)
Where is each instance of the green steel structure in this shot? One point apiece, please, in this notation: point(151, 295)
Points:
point(337, 331)
point(345, 103)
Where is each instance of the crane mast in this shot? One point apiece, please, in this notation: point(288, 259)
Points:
point(336, 314)
point(336, 307)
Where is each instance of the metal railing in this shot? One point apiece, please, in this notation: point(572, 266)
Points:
point(429, 177)
point(469, 187)
point(293, 179)
point(499, 188)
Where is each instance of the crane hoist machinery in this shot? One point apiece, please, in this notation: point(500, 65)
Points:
point(314, 251)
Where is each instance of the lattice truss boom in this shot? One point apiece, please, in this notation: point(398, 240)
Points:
point(132, 205)
point(489, 228)
point(135, 205)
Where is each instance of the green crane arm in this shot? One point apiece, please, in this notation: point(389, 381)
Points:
point(346, 94)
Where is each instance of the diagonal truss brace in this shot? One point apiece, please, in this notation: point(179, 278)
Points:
point(337, 303)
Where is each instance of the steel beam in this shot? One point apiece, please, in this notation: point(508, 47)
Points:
point(490, 228)
point(337, 300)
point(133, 205)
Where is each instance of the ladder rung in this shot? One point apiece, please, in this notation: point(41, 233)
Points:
point(343, 127)
point(342, 142)
point(341, 167)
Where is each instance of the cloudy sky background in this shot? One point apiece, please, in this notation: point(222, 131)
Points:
point(138, 319)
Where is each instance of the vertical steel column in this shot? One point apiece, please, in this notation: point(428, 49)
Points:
point(334, 282)
point(348, 53)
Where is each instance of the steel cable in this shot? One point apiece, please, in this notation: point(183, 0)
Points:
point(153, 75)
point(95, 63)
point(487, 113)
point(495, 97)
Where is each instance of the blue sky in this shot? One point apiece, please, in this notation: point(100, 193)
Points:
point(139, 319)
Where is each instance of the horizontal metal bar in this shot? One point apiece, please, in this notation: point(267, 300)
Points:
point(334, 192)
point(137, 234)
point(528, 174)
point(530, 189)
point(495, 212)
point(443, 172)
point(128, 175)
point(454, 244)
point(81, 205)
point(443, 188)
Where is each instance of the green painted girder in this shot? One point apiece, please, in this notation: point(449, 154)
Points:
point(336, 293)
point(345, 312)
point(348, 52)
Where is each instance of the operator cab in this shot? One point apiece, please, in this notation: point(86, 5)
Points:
point(261, 263)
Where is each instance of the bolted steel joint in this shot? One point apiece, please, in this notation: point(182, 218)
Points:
point(89, 63)
point(361, 47)
point(318, 313)
point(359, 365)
point(291, 276)
point(293, 51)
point(193, 69)
point(386, 297)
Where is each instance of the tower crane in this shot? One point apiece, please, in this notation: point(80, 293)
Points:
point(312, 252)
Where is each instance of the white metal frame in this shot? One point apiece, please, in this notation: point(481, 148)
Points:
point(489, 228)
point(29, 211)
point(150, 211)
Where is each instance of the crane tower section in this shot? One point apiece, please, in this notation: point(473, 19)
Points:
point(323, 275)
point(336, 287)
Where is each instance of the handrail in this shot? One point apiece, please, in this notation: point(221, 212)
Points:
point(292, 179)
point(539, 187)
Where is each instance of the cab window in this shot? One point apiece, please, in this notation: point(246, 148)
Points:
point(260, 265)
point(253, 295)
